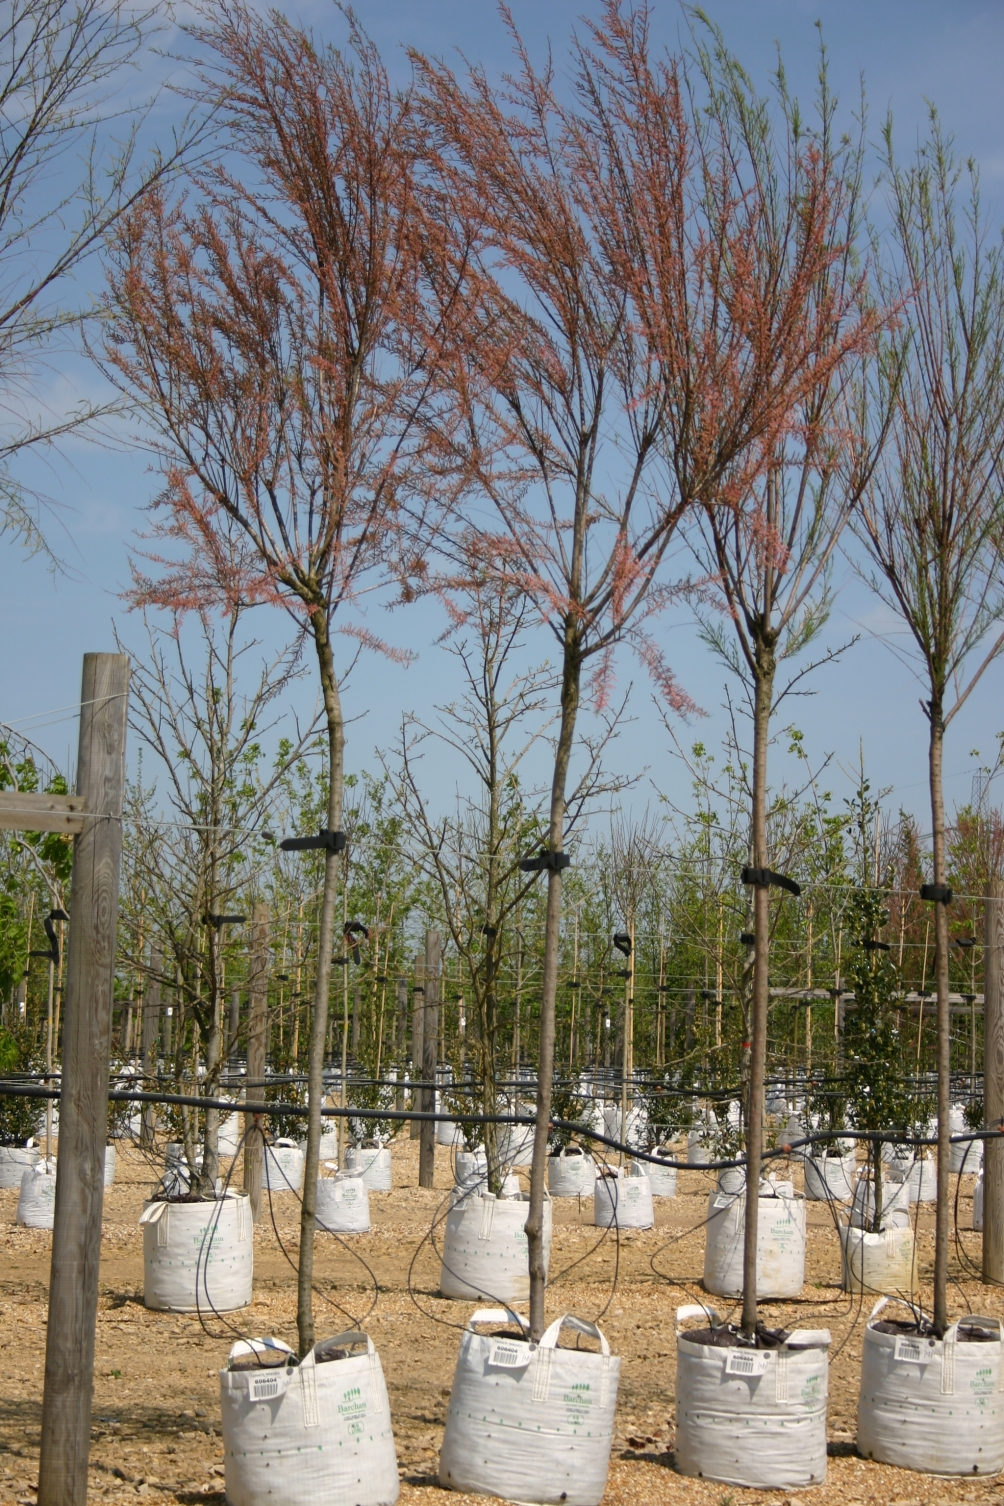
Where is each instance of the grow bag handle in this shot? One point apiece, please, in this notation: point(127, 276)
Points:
point(354, 1336)
point(697, 1310)
point(549, 1338)
point(496, 1315)
point(882, 1302)
point(809, 1338)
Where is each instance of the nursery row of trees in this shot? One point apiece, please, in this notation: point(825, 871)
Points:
point(576, 356)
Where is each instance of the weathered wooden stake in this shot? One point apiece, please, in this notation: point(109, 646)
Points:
point(83, 1109)
point(430, 1041)
point(257, 1042)
point(993, 1085)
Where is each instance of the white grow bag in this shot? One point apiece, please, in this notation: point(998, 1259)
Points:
point(198, 1256)
point(36, 1205)
point(372, 1163)
point(309, 1434)
point(329, 1145)
point(965, 1155)
point(931, 1404)
point(637, 1125)
point(895, 1203)
point(780, 1254)
point(343, 1204)
point(622, 1199)
point(830, 1179)
point(919, 1176)
point(110, 1159)
point(15, 1160)
point(228, 1136)
point(470, 1170)
point(978, 1202)
point(485, 1248)
point(515, 1141)
point(530, 1422)
point(753, 1417)
point(698, 1148)
point(570, 1172)
point(883, 1262)
point(283, 1169)
point(661, 1176)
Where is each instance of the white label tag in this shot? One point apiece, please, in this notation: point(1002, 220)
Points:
point(911, 1351)
point(509, 1354)
point(747, 1362)
point(266, 1385)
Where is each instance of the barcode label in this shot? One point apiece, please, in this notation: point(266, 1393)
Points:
point(266, 1385)
point(509, 1354)
point(909, 1350)
point(746, 1362)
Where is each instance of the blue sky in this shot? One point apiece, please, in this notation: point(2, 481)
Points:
point(908, 51)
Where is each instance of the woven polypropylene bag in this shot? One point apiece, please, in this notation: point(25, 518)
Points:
point(662, 1178)
point(373, 1164)
point(309, 1435)
point(530, 1422)
point(932, 1404)
point(515, 1141)
point(36, 1204)
point(15, 1160)
point(198, 1256)
point(343, 1204)
point(978, 1203)
point(110, 1159)
point(470, 1170)
point(283, 1168)
point(570, 1172)
point(895, 1203)
point(884, 1262)
point(830, 1179)
point(780, 1252)
point(484, 1249)
point(749, 1416)
point(622, 1199)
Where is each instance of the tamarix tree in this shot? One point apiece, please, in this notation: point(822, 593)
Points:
point(630, 348)
point(270, 323)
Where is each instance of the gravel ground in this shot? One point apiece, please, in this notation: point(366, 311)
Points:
point(156, 1398)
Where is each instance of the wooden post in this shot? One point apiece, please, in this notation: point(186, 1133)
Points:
point(418, 1041)
point(151, 1039)
point(993, 1084)
point(257, 1042)
point(83, 1109)
point(430, 1041)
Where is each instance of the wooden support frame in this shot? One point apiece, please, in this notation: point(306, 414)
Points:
point(20, 811)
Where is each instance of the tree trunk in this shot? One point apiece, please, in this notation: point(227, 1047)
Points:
point(993, 1085)
point(417, 1043)
point(941, 1229)
point(211, 1082)
point(764, 693)
point(430, 1041)
point(150, 1015)
point(571, 673)
point(319, 1022)
point(257, 1040)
